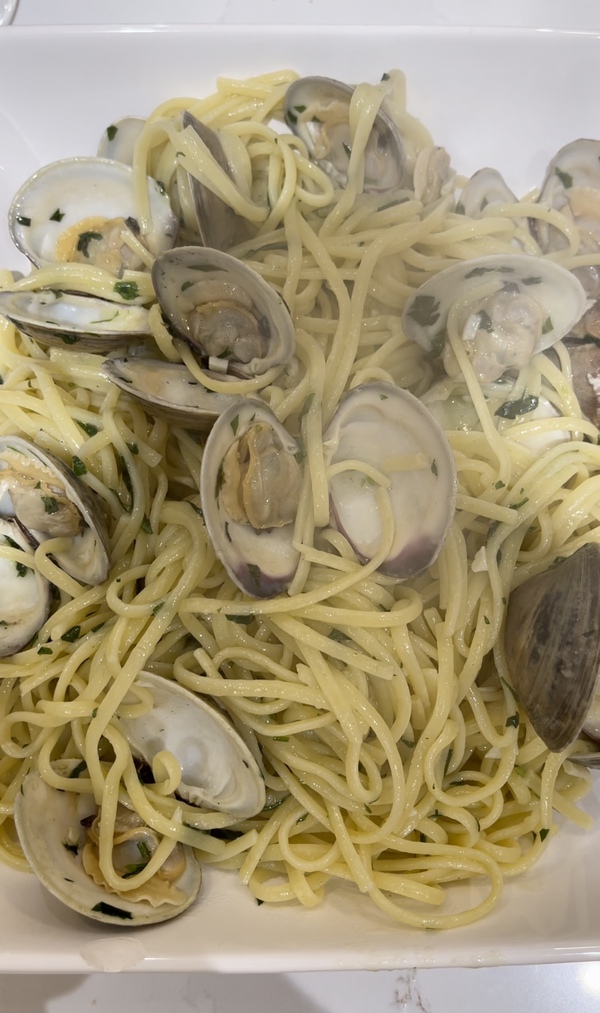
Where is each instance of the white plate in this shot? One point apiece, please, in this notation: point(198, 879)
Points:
point(506, 98)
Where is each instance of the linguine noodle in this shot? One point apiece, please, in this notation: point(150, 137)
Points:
point(393, 749)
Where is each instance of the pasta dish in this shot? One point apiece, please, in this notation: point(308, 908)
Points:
point(261, 450)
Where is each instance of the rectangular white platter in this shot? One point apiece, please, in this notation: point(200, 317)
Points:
point(507, 98)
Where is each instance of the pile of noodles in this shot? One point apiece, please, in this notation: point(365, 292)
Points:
point(393, 749)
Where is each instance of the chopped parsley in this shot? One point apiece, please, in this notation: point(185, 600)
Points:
point(128, 290)
point(84, 241)
point(511, 409)
point(57, 216)
point(112, 131)
point(109, 909)
point(72, 635)
point(424, 310)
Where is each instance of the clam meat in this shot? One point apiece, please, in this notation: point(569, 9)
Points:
point(250, 487)
point(388, 428)
point(233, 321)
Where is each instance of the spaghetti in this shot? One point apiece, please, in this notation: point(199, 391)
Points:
point(394, 753)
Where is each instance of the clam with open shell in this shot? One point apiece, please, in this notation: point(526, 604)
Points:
point(49, 501)
point(250, 486)
point(511, 307)
point(389, 429)
point(233, 321)
point(317, 109)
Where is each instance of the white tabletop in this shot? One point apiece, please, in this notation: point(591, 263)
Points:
point(554, 988)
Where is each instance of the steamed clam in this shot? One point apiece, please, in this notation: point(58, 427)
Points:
point(218, 225)
point(48, 501)
point(57, 319)
point(233, 321)
point(26, 594)
point(552, 644)
point(317, 109)
point(510, 307)
point(58, 831)
point(218, 770)
point(572, 186)
point(167, 389)
point(388, 428)
point(82, 210)
point(484, 189)
point(250, 486)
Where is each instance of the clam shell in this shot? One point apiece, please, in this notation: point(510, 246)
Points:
point(169, 390)
point(390, 429)
point(218, 770)
point(552, 298)
point(25, 595)
point(219, 227)
point(485, 188)
point(192, 277)
point(310, 103)
point(57, 319)
point(74, 190)
point(47, 820)
point(87, 558)
point(262, 562)
point(552, 645)
point(119, 139)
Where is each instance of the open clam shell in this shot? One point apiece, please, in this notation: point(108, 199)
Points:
point(317, 109)
point(119, 139)
point(390, 429)
point(219, 227)
point(77, 209)
point(58, 318)
point(51, 834)
point(552, 645)
point(249, 487)
point(514, 306)
point(25, 595)
point(233, 321)
point(167, 389)
point(49, 501)
point(485, 188)
point(218, 770)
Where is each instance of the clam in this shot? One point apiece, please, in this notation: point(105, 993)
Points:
point(512, 306)
point(218, 771)
point(219, 227)
point(26, 595)
point(390, 429)
point(58, 318)
point(449, 401)
point(119, 139)
point(572, 186)
point(167, 389)
point(233, 321)
point(585, 366)
point(81, 210)
point(317, 109)
point(58, 832)
point(485, 188)
point(552, 645)
point(250, 486)
point(48, 501)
